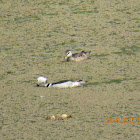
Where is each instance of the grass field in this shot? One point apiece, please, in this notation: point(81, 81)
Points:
point(34, 35)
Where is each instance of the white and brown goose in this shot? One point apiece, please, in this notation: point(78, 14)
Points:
point(77, 56)
point(62, 84)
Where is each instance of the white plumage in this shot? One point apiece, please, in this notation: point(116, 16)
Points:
point(63, 84)
point(68, 84)
point(41, 80)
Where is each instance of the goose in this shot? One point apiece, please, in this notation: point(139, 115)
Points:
point(62, 84)
point(59, 117)
point(41, 80)
point(77, 56)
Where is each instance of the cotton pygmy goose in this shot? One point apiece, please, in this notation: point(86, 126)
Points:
point(62, 84)
point(77, 56)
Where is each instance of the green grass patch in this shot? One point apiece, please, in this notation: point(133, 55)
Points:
point(28, 81)
point(10, 21)
point(9, 82)
point(32, 121)
point(1, 77)
point(114, 22)
point(134, 48)
point(91, 83)
point(128, 50)
point(27, 18)
point(5, 48)
point(10, 72)
point(52, 14)
point(117, 81)
point(86, 12)
point(78, 49)
point(72, 41)
point(101, 55)
point(90, 77)
point(49, 35)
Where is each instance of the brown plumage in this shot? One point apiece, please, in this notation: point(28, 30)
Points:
point(77, 56)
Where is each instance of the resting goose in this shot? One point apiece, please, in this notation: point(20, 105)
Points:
point(77, 56)
point(62, 84)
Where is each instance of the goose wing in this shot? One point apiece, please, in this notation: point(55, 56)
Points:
point(77, 55)
point(83, 53)
point(86, 53)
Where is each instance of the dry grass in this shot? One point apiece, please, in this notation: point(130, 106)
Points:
point(34, 37)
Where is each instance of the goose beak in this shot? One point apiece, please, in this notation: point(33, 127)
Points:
point(65, 57)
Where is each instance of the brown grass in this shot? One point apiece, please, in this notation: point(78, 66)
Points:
point(34, 37)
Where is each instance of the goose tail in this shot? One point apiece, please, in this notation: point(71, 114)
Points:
point(81, 81)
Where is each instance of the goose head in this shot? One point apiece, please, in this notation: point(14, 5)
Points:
point(68, 54)
point(41, 80)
